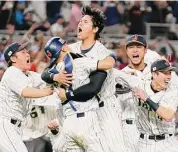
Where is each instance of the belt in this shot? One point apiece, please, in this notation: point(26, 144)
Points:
point(15, 122)
point(82, 114)
point(155, 137)
point(129, 121)
point(101, 104)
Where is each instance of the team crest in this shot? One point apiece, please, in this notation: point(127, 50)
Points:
point(135, 37)
point(48, 53)
point(9, 53)
point(167, 63)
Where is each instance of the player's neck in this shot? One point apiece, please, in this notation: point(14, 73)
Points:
point(155, 86)
point(139, 67)
point(87, 43)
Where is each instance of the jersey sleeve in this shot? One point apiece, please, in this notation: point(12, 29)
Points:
point(103, 52)
point(170, 99)
point(86, 63)
point(121, 77)
point(17, 81)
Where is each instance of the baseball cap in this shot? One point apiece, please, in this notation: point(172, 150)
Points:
point(136, 39)
point(162, 65)
point(13, 48)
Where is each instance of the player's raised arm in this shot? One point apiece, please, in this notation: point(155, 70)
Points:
point(108, 62)
point(85, 92)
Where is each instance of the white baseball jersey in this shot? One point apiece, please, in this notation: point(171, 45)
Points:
point(107, 115)
point(81, 71)
point(98, 52)
point(77, 129)
point(151, 56)
point(36, 122)
point(126, 100)
point(149, 123)
point(13, 108)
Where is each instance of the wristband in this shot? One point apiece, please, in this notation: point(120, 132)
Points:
point(69, 95)
point(152, 104)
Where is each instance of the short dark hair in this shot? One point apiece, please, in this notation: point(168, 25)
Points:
point(98, 18)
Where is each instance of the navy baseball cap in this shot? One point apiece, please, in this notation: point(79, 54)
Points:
point(162, 65)
point(136, 39)
point(13, 48)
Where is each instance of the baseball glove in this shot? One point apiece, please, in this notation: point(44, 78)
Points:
point(120, 89)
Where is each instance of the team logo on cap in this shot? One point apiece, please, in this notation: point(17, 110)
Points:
point(9, 53)
point(135, 37)
point(48, 53)
point(167, 63)
point(61, 41)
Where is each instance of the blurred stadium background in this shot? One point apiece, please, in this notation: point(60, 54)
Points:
point(37, 21)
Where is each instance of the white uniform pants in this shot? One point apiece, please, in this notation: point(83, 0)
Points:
point(80, 134)
point(169, 144)
point(111, 126)
point(10, 137)
point(131, 135)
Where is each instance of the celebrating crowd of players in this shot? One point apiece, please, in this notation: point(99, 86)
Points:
point(82, 103)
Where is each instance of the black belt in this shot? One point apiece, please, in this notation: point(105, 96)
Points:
point(155, 137)
point(14, 122)
point(129, 121)
point(82, 114)
point(101, 104)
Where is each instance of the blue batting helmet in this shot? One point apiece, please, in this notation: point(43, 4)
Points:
point(53, 47)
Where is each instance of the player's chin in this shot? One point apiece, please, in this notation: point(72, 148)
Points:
point(27, 67)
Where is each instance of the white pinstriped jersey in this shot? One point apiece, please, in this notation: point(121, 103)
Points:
point(126, 100)
point(148, 121)
point(35, 124)
point(81, 71)
point(151, 56)
point(99, 51)
point(13, 105)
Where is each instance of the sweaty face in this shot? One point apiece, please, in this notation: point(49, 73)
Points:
point(85, 28)
point(135, 53)
point(162, 78)
point(22, 60)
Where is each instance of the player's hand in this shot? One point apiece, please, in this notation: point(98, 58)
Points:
point(139, 93)
point(53, 125)
point(48, 91)
point(62, 94)
point(63, 78)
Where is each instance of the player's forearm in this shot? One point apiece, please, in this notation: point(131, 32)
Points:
point(106, 63)
point(89, 90)
point(47, 76)
point(165, 113)
point(33, 93)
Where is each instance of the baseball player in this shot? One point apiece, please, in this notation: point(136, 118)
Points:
point(15, 88)
point(156, 108)
point(35, 129)
point(88, 32)
point(80, 116)
point(157, 111)
point(139, 64)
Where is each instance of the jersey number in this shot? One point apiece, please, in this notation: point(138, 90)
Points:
point(34, 113)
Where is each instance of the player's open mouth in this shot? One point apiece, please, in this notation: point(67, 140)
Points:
point(79, 30)
point(135, 56)
point(28, 61)
point(166, 81)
